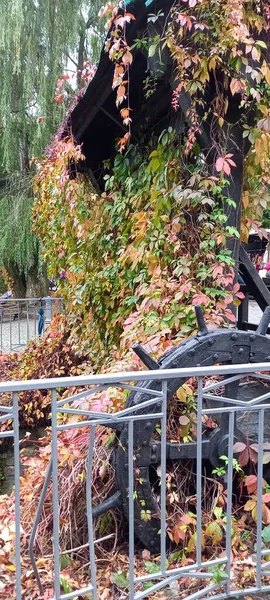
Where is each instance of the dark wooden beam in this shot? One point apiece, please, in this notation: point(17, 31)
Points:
point(116, 121)
point(253, 281)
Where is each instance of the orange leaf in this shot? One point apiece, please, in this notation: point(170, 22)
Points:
point(265, 514)
point(121, 90)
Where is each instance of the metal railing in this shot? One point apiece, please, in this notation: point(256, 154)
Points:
point(134, 418)
point(20, 319)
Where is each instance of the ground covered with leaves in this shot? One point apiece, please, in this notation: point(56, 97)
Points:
point(54, 356)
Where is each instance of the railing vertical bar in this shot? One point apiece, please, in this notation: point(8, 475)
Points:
point(131, 507)
point(163, 477)
point(89, 510)
point(1, 328)
point(19, 323)
point(229, 499)
point(259, 501)
point(10, 331)
point(17, 494)
point(56, 536)
point(35, 322)
point(199, 473)
point(36, 523)
point(27, 323)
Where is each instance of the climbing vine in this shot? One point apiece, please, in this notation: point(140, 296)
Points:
point(220, 60)
point(132, 262)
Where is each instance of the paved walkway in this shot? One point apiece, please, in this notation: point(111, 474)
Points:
point(14, 335)
point(254, 313)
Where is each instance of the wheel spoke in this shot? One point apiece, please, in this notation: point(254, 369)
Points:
point(175, 451)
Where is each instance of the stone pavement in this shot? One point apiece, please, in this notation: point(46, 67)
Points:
point(254, 313)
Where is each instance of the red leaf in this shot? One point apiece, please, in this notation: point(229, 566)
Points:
point(200, 299)
point(243, 459)
point(40, 119)
point(251, 483)
point(227, 168)
point(253, 455)
point(219, 164)
point(239, 447)
point(186, 519)
point(59, 98)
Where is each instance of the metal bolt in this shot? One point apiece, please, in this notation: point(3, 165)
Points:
point(144, 443)
point(240, 351)
point(154, 447)
point(191, 352)
point(148, 425)
point(153, 457)
point(234, 336)
point(252, 337)
point(215, 356)
point(138, 456)
point(198, 364)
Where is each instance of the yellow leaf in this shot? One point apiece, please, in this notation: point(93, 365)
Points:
point(212, 63)
point(266, 72)
point(254, 513)
point(188, 389)
point(245, 199)
point(250, 504)
point(181, 394)
point(237, 302)
point(184, 391)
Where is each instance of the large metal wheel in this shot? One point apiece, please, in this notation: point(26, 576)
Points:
point(223, 346)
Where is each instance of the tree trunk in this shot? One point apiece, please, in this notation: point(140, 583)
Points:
point(37, 284)
point(19, 282)
point(80, 57)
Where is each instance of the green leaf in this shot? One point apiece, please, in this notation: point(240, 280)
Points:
point(152, 50)
point(120, 579)
point(66, 587)
point(147, 585)
point(215, 532)
point(266, 534)
point(218, 512)
point(152, 567)
point(65, 561)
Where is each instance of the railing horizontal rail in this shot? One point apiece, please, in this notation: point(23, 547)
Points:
point(113, 378)
point(24, 300)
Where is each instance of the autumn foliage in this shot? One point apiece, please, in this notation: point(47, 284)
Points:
point(133, 261)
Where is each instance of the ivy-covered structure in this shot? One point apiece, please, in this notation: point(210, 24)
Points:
point(152, 80)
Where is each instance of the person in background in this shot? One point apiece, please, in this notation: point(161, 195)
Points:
point(267, 266)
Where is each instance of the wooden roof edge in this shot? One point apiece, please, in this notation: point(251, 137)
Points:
point(100, 87)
